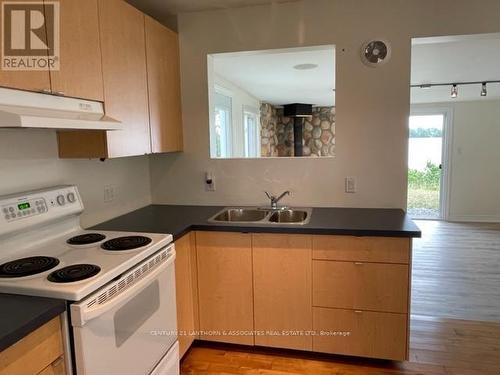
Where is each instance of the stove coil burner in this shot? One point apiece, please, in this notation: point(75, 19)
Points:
point(27, 266)
point(86, 239)
point(75, 272)
point(126, 243)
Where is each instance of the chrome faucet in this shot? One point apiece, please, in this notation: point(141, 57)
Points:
point(275, 200)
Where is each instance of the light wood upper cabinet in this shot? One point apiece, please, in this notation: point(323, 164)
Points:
point(186, 291)
point(140, 79)
point(25, 80)
point(282, 290)
point(162, 51)
point(80, 73)
point(125, 79)
point(225, 286)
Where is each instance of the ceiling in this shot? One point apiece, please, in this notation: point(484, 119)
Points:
point(162, 9)
point(270, 76)
point(455, 59)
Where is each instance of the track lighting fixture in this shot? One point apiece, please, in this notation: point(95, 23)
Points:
point(454, 86)
point(484, 91)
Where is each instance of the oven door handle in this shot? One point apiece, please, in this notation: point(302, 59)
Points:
point(81, 313)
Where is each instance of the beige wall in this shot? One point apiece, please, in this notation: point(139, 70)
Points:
point(372, 104)
point(28, 160)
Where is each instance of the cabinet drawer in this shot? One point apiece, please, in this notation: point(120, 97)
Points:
point(35, 352)
point(363, 249)
point(56, 368)
point(361, 286)
point(370, 334)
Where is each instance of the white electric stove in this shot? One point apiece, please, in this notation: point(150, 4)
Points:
point(120, 286)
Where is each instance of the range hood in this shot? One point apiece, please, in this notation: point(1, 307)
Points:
point(23, 109)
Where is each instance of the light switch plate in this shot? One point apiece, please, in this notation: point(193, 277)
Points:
point(350, 185)
point(109, 193)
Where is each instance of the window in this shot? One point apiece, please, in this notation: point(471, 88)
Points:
point(222, 125)
point(251, 131)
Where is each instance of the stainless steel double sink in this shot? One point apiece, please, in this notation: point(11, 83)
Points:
point(257, 215)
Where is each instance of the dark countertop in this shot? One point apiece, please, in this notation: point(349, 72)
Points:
point(178, 220)
point(21, 315)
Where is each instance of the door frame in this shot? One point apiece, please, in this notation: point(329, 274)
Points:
point(447, 147)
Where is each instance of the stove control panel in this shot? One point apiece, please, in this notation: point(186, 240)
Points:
point(19, 211)
point(27, 208)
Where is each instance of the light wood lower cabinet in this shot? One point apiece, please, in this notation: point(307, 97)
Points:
point(361, 286)
point(282, 290)
point(41, 352)
point(283, 286)
point(186, 291)
point(56, 368)
point(360, 333)
point(225, 287)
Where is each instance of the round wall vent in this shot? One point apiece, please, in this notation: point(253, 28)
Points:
point(375, 53)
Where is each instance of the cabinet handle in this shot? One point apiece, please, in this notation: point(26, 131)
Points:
point(57, 362)
point(358, 311)
point(45, 91)
point(358, 263)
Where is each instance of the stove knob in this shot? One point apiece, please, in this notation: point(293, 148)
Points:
point(61, 200)
point(71, 197)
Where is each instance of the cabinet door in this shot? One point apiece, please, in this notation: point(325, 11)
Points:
point(282, 290)
point(125, 78)
point(225, 287)
point(185, 292)
point(35, 352)
point(31, 80)
point(360, 333)
point(80, 73)
point(162, 50)
point(363, 286)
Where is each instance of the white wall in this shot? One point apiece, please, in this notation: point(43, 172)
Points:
point(28, 160)
point(372, 104)
point(475, 176)
point(240, 99)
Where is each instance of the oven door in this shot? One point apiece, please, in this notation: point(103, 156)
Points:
point(129, 326)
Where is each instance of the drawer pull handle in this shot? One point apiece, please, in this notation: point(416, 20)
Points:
point(358, 311)
point(358, 263)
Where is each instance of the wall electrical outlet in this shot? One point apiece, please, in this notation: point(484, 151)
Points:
point(209, 181)
point(350, 185)
point(109, 193)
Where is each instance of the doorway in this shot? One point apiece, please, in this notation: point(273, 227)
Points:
point(427, 160)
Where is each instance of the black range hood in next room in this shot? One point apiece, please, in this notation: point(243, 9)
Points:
point(298, 111)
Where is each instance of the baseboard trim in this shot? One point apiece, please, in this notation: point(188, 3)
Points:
point(475, 218)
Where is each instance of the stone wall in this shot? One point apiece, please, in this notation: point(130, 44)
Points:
point(277, 132)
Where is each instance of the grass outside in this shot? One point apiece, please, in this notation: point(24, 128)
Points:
point(423, 191)
point(423, 198)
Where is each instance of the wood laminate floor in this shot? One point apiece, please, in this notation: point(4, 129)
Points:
point(438, 346)
point(456, 271)
point(455, 326)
